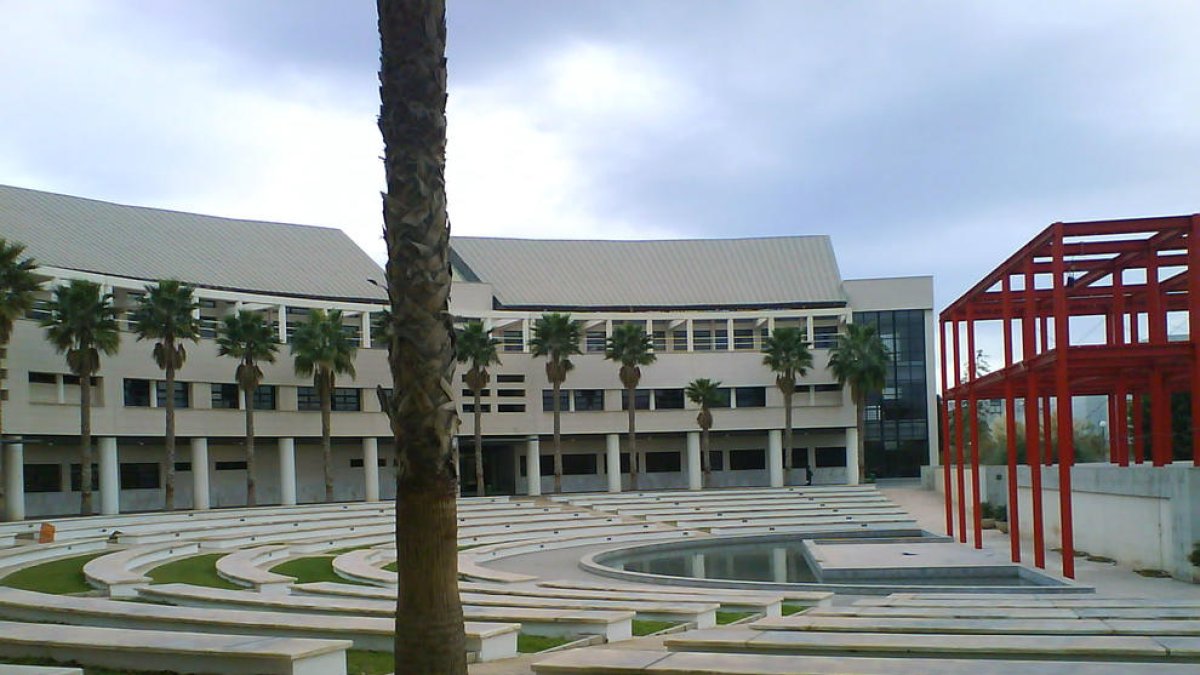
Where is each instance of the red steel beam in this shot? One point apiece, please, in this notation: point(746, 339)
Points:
point(947, 443)
point(1066, 441)
point(1032, 454)
point(973, 411)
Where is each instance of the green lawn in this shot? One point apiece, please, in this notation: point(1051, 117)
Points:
point(642, 627)
point(311, 570)
point(200, 570)
point(730, 617)
point(390, 567)
point(788, 610)
point(532, 644)
point(59, 577)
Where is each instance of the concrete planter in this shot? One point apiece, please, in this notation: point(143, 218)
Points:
point(988, 523)
point(1002, 525)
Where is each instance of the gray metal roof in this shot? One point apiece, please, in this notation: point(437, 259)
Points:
point(547, 274)
point(151, 244)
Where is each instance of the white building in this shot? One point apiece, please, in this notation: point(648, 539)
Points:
point(707, 303)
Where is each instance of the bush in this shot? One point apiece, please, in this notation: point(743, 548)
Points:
point(1195, 556)
point(1000, 513)
point(986, 510)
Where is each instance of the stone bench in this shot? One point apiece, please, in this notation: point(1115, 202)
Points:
point(766, 606)
point(893, 528)
point(1082, 600)
point(614, 626)
point(154, 531)
point(1047, 647)
point(116, 572)
point(328, 542)
point(8, 539)
point(340, 532)
point(766, 517)
point(120, 648)
point(631, 662)
point(728, 598)
point(366, 566)
point(996, 626)
point(699, 614)
point(245, 568)
point(539, 534)
point(573, 539)
point(1041, 612)
point(27, 554)
point(683, 497)
point(731, 509)
point(469, 569)
point(9, 669)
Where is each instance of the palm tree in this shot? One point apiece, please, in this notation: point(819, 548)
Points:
point(704, 393)
point(786, 353)
point(416, 231)
point(167, 313)
point(477, 347)
point(248, 337)
point(83, 325)
point(556, 337)
point(632, 348)
point(323, 351)
point(17, 287)
point(860, 359)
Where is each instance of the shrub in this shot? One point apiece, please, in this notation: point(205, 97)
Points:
point(1195, 556)
point(986, 510)
point(1000, 513)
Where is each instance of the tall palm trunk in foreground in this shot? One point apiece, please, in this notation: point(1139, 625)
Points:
point(429, 621)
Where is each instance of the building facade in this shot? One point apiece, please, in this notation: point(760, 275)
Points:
point(707, 304)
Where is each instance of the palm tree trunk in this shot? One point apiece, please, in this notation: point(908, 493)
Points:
point(85, 445)
point(430, 637)
point(859, 421)
point(557, 436)
point(326, 432)
point(3, 466)
point(251, 497)
point(705, 461)
point(169, 489)
point(633, 456)
point(787, 432)
point(479, 487)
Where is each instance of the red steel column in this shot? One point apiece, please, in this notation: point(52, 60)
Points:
point(1139, 427)
point(1193, 273)
point(1032, 454)
point(1066, 441)
point(1160, 419)
point(1010, 422)
point(1120, 426)
point(947, 443)
point(1111, 424)
point(1048, 432)
point(973, 411)
point(959, 422)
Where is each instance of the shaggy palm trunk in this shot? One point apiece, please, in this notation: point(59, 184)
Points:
point(326, 433)
point(251, 498)
point(479, 487)
point(3, 467)
point(859, 419)
point(557, 436)
point(705, 462)
point(787, 430)
point(85, 445)
point(633, 455)
point(430, 636)
point(169, 489)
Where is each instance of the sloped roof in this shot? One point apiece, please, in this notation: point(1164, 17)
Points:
point(208, 251)
point(667, 274)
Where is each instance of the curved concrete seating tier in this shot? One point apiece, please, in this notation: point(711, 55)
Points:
point(366, 566)
point(767, 517)
point(9, 669)
point(116, 572)
point(245, 568)
point(162, 650)
point(1030, 600)
point(340, 531)
point(26, 554)
point(725, 597)
point(8, 539)
point(542, 534)
point(890, 528)
point(152, 533)
point(718, 510)
point(614, 626)
point(600, 501)
point(765, 605)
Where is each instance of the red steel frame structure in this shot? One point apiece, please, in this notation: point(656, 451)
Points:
point(1129, 273)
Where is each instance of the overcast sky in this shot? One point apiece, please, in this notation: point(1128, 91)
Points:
point(925, 137)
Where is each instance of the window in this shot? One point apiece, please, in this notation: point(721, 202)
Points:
point(663, 462)
point(74, 380)
point(716, 460)
point(564, 401)
point(702, 339)
point(183, 466)
point(230, 466)
point(743, 339)
point(77, 477)
point(825, 337)
point(750, 397)
point(513, 341)
point(139, 476)
point(347, 399)
point(668, 399)
point(831, 457)
point(723, 397)
point(307, 399)
point(511, 393)
point(42, 378)
point(589, 399)
point(264, 397)
point(225, 397)
point(358, 463)
point(137, 393)
point(747, 460)
point(579, 464)
point(510, 407)
point(641, 399)
point(482, 392)
point(43, 478)
point(659, 340)
point(827, 388)
point(593, 340)
point(509, 378)
point(546, 465)
point(182, 394)
point(483, 407)
point(679, 340)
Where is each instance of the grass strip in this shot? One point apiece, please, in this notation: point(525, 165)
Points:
point(200, 570)
point(724, 618)
point(532, 644)
point(59, 577)
point(312, 569)
point(644, 627)
point(363, 662)
point(789, 609)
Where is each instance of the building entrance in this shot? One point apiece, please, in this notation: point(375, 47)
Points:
point(499, 468)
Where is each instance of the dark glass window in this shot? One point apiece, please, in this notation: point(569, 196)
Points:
point(139, 476)
point(307, 399)
point(467, 393)
point(750, 397)
point(183, 466)
point(594, 341)
point(42, 378)
point(745, 460)
point(564, 402)
point(579, 464)
point(137, 393)
point(831, 457)
point(43, 478)
point(668, 399)
point(483, 407)
point(510, 393)
point(347, 399)
point(641, 398)
point(546, 464)
point(226, 397)
point(663, 462)
point(589, 399)
point(358, 463)
point(512, 341)
point(510, 407)
point(825, 337)
point(183, 391)
point(895, 432)
point(509, 378)
point(230, 466)
point(724, 396)
point(716, 460)
point(77, 477)
point(264, 397)
point(827, 388)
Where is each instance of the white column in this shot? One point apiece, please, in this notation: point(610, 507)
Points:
point(371, 466)
point(287, 471)
point(200, 474)
point(612, 450)
point(60, 389)
point(779, 565)
point(698, 571)
point(812, 462)
point(695, 476)
point(533, 467)
point(366, 330)
point(110, 477)
point(852, 456)
point(932, 338)
point(14, 481)
point(775, 457)
point(282, 309)
point(810, 330)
